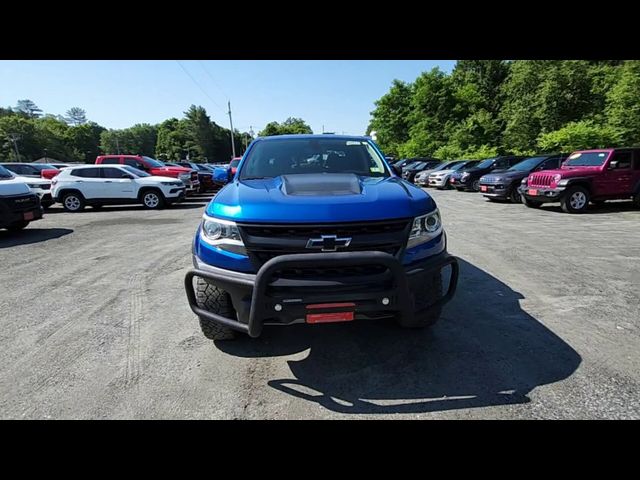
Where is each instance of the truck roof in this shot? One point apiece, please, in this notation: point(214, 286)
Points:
point(309, 136)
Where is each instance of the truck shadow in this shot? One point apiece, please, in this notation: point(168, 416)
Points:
point(31, 235)
point(126, 208)
point(485, 351)
point(607, 207)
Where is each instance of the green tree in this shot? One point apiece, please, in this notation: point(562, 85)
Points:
point(390, 118)
point(139, 139)
point(84, 141)
point(581, 135)
point(29, 108)
point(76, 116)
point(291, 125)
point(623, 104)
point(23, 130)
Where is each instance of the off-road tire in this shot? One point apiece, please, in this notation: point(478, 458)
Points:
point(575, 200)
point(217, 301)
point(426, 294)
point(475, 185)
point(531, 203)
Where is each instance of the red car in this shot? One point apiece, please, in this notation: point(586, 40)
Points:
point(154, 167)
point(586, 176)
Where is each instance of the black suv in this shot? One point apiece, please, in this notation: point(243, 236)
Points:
point(469, 179)
point(409, 173)
point(504, 185)
point(204, 175)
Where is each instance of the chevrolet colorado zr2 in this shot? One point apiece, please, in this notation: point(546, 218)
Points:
point(586, 176)
point(314, 229)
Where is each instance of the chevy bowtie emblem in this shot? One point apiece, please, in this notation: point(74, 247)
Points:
point(328, 243)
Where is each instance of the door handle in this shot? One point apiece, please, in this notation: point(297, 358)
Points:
point(108, 181)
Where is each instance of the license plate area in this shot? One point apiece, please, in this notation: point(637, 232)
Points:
point(533, 191)
point(29, 215)
point(483, 188)
point(330, 316)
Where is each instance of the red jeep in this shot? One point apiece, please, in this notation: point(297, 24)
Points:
point(154, 167)
point(586, 176)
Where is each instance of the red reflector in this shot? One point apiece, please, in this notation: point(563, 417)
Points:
point(329, 317)
point(330, 305)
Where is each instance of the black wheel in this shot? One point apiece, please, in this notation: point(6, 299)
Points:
point(636, 200)
point(428, 293)
point(475, 186)
point(96, 206)
point(531, 203)
point(152, 199)
point(73, 202)
point(217, 301)
point(17, 226)
point(575, 200)
point(515, 196)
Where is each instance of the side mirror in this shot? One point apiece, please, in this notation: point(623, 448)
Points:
point(221, 175)
point(397, 170)
point(613, 165)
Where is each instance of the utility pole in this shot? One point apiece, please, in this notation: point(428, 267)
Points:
point(117, 144)
point(233, 145)
point(14, 137)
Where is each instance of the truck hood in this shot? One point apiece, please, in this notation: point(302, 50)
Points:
point(319, 198)
point(504, 176)
point(33, 181)
point(569, 172)
point(174, 170)
point(13, 186)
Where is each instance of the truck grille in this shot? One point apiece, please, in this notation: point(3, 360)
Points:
point(540, 180)
point(264, 242)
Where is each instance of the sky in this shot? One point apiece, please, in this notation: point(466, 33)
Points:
point(334, 95)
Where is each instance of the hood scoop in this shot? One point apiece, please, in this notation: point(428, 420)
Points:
point(325, 184)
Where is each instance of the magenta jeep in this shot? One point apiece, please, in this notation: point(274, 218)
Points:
point(586, 176)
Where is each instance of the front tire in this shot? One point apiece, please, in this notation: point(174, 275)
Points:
point(475, 186)
point(73, 202)
point(576, 200)
point(215, 300)
point(152, 199)
point(17, 226)
point(515, 196)
point(636, 200)
point(426, 294)
point(531, 203)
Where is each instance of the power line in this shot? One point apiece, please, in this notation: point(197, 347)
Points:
point(212, 79)
point(198, 85)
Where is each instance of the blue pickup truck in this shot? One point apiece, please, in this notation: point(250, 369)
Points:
point(317, 229)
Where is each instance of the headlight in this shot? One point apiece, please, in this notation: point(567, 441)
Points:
point(425, 228)
point(464, 176)
point(524, 181)
point(222, 234)
point(557, 177)
point(33, 185)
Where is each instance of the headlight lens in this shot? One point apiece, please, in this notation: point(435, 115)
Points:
point(464, 176)
point(33, 185)
point(425, 228)
point(222, 234)
point(557, 177)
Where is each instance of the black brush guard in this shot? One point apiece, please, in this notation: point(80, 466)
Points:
point(263, 303)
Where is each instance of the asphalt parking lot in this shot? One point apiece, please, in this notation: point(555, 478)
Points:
point(545, 324)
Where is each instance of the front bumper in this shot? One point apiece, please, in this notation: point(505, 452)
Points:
point(255, 297)
point(542, 194)
point(9, 218)
point(438, 181)
point(492, 191)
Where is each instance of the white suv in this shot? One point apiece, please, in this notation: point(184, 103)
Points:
point(39, 186)
point(98, 185)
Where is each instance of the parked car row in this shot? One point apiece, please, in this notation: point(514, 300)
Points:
point(574, 181)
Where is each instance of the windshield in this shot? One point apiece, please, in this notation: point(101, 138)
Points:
point(135, 171)
point(312, 155)
point(444, 166)
point(485, 163)
point(418, 166)
point(44, 166)
point(153, 162)
point(591, 159)
point(5, 174)
point(463, 165)
point(527, 165)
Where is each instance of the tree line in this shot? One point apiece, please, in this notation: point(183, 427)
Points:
point(489, 107)
point(27, 134)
